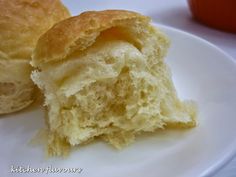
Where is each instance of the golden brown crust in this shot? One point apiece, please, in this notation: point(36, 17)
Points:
point(23, 21)
point(79, 32)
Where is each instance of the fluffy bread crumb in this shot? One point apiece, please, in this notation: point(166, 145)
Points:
point(115, 89)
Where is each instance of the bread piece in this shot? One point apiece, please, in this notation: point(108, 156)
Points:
point(21, 24)
point(103, 75)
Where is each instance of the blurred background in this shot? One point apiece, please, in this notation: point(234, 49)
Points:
point(176, 13)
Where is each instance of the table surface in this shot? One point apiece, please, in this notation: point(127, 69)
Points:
point(172, 13)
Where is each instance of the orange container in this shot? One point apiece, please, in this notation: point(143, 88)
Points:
point(219, 14)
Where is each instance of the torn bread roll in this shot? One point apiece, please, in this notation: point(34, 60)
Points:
point(103, 75)
point(22, 22)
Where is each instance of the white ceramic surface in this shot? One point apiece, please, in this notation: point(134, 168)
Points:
point(201, 72)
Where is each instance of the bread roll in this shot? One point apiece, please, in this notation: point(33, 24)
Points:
point(21, 24)
point(103, 75)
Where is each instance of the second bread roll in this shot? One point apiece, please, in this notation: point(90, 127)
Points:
point(22, 22)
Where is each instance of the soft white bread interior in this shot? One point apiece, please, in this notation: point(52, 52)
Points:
point(22, 22)
point(103, 75)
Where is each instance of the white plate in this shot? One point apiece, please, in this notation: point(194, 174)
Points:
point(202, 72)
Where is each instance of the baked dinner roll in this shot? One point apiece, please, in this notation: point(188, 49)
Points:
point(21, 24)
point(103, 75)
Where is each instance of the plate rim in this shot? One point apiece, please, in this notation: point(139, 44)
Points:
point(231, 150)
